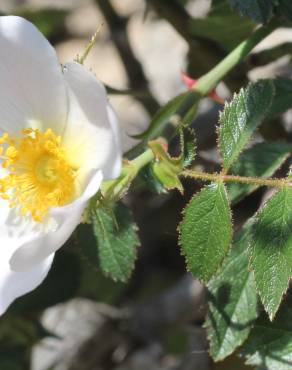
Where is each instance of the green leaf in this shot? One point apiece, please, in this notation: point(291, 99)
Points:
point(222, 25)
point(232, 301)
point(188, 145)
point(269, 345)
point(206, 231)
point(92, 282)
point(168, 178)
point(259, 10)
point(166, 168)
point(117, 240)
point(283, 96)
point(149, 180)
point(159, 148)
point(271, 249)
point(261, 160)
point(241, 117)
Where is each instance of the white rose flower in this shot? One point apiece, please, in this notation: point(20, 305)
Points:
point(59, 138)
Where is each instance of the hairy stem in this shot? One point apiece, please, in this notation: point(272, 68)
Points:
point(277, 183)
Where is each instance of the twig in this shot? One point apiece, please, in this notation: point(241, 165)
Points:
point(209, 52)
point(117, 26)
point(260, 181)
point(269, 55)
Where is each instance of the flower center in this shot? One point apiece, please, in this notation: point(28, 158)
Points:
point(47, 169)
point(39, 175)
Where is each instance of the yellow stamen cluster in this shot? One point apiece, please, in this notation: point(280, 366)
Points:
point(39, 175)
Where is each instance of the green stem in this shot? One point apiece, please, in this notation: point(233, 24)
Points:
point(277, 183)
point(117, 188)
point(207, 82)
point(204, 85)
point(210, 80)
point(142, 160)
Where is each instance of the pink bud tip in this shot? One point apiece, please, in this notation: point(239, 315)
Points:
point(190, 83)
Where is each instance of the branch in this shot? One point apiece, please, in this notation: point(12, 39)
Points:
point(211, 79)
point(270, 55)
point(137, 79)
point(205, 49)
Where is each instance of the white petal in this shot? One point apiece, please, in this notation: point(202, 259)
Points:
point(115, 170)
point(32, 87)
point(92, 134)
point(14, 231)
point(15, 284)
point(41, 245)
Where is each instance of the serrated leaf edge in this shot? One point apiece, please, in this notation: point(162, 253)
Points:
point(124, 279)
point(182, 253)
point(263, 300)
point(206, 326)
point(223, 113)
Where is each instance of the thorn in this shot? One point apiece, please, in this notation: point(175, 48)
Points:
point(190, 83)
point(213, 95)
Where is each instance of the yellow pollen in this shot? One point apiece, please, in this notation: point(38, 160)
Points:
point(40, 176)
